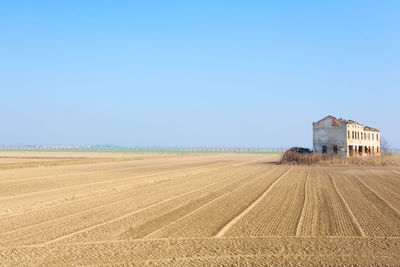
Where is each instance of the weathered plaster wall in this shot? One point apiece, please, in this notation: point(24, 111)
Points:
point(330, 136)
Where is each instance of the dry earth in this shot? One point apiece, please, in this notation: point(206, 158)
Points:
point(194, 209)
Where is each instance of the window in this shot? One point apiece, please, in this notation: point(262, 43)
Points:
point(372, 137)
point(358, 135)
point(377, 137)
point(348, 134)
point(352, 134)
point(365, 136)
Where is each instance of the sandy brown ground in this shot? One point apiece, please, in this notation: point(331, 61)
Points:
point(195, 209)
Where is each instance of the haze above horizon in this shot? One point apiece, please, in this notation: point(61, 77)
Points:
point(184, 73)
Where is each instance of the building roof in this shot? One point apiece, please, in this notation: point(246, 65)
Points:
point(353, 122)
point(327, 117)
point(366, 128)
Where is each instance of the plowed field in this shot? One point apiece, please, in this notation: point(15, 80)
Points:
point(194, 209)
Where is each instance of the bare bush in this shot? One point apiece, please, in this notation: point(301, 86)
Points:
point(293, 158)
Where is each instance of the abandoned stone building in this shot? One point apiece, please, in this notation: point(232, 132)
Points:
point(345, 138)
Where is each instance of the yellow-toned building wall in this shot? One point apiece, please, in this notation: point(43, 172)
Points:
point(361, 142)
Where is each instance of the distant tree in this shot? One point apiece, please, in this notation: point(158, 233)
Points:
point(385, 146)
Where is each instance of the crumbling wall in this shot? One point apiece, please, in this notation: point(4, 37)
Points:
point(330, 133)
point(344, 138)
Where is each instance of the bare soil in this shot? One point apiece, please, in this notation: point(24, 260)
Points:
point(194, 209)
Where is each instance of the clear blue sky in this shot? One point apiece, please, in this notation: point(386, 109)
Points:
point(195, 73)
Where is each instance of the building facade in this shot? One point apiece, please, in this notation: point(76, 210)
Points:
point(345, 138)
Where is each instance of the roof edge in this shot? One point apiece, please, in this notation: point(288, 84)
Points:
point(367, 128)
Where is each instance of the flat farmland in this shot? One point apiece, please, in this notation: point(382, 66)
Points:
point(193, 209)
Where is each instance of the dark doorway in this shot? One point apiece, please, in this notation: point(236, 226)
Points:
point(335, 150)
point(350, 151)
point(360, 150)
point(324, 149)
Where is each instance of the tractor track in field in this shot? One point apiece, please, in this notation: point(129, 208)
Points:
point(378, 195)
point(132, 213)
point(305, 201)
point(355, 221)
point(251, 206)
